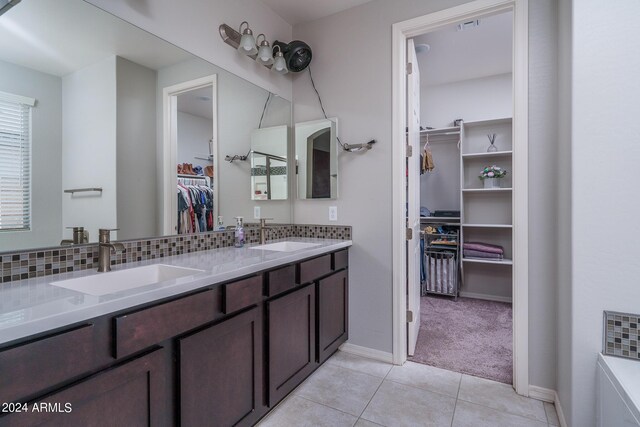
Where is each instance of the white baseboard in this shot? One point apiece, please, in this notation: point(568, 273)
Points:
point(370, 353)
point(485, 297)
point(551, 396)
point(563, 422)
point(541, 393)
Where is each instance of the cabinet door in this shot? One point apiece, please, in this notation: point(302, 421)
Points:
point(292, 341)
point(221, 373)
point(333, 318)
point(131, 394)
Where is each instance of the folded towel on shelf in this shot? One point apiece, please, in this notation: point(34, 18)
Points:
point(470, 253)
point(483, 247)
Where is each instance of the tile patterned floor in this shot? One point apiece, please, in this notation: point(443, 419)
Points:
point(349, 390)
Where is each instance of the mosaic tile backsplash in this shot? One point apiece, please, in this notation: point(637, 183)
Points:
point(622, 334)
point(29, 264)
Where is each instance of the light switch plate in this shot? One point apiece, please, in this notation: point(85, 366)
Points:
point(256, 212)
point(333, 213)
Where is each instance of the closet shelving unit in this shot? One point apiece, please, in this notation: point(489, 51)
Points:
point(486, 214)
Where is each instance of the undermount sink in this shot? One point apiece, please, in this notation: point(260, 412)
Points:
point(116, 281)
point(285, 246)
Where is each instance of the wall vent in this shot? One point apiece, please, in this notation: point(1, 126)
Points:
point(468, 25)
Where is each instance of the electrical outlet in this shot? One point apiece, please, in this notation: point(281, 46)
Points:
point(333, 213)
point(256, 212)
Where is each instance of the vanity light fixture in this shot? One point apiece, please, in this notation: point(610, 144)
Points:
point(294, 56)
point(5, 5)
point(279, 64)
point(247, 42)
point(265, 54)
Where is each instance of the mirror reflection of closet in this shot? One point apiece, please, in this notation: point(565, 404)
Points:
point(195, 166)
point(317, 159)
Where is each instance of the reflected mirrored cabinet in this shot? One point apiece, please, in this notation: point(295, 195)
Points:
point(269, 148)
point(317, 159)
point(113, 108)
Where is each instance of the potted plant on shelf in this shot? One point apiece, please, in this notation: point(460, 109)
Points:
point(491, 175)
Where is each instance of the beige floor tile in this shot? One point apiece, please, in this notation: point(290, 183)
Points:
point(552, 415)
point(400, 405)
point(361, 364)
point(426, 377)
point(501, 397)
point(343, 389)
point(300, 412)
point(472, 415)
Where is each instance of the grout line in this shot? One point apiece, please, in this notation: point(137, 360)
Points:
point(376, 392)
point(506, 411)
point(455, 405)
point(422, 389)
point(326, 406)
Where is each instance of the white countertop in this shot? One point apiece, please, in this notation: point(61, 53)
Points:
point(33, 306)
point(626, 372)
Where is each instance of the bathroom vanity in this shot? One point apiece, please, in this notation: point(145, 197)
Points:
point(220, 347)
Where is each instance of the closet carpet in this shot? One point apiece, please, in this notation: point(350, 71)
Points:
point(470, 336)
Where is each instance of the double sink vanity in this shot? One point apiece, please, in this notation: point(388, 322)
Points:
point(214, 337)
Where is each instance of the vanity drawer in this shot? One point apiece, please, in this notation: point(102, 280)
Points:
point(314, 268)
point(241, 294)
point(149, 326)
point(340, 260)
point(281, 280)
point(33, 367)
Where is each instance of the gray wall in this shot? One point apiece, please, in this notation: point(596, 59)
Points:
point(136, 150)
point(89, 147)
point(46, 178)
point(604, 186)
point(543, 179)
point(195, 28)
point(563, 210)
point(563, 203)
point(356, 87)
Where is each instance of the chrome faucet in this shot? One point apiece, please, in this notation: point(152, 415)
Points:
point(79, 236)
point(263, 230)
point(104, 251)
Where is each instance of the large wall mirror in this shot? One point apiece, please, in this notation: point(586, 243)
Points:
point(317, 159)
point(92, 135)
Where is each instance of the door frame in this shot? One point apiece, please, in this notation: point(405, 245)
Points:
point(432, 22)
point(170, 148)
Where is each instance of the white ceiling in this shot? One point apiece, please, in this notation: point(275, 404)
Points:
point(462, 55)
point(59, 37)
point(193, 102)
point(297, 11)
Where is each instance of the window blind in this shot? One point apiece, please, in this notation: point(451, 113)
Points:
point(15, 162)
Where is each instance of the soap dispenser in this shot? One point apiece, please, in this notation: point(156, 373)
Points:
point(220, 225)
point(239, 233)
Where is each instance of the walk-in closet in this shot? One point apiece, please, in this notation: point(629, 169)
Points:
point(466, 194)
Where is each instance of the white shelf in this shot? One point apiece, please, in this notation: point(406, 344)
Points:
point(486, 190)
point(488, 261)
point(504, 120)
point(441, 131)
point(483, 155)
point(488, 225)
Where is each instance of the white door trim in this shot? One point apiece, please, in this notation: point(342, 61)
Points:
point(170, 148)
point(431, 22)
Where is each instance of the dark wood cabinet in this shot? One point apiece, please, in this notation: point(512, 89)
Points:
point(222, 355)
point(292, 341)
point(130, 394)
point(333, 305)
point(220, 370)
